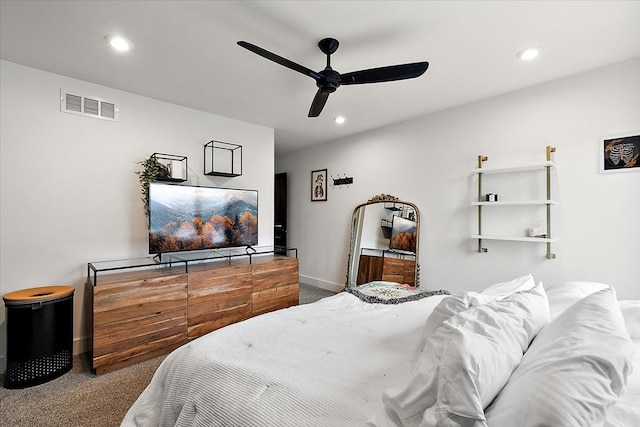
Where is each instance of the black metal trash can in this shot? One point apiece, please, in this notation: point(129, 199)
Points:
point(39, 335)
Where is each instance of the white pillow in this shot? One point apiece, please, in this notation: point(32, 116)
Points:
point(454, 304)
point(574, 370)
point(504, 289)
point(566, 294)
point(445, 309)
point(631, 313)
point(466, 362)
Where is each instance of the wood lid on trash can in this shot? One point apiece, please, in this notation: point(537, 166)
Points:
point(43, 293)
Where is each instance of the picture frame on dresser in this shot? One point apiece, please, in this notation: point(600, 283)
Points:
point(620, 153)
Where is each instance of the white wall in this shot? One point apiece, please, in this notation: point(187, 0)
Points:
point(69, 190)
point(428, 161)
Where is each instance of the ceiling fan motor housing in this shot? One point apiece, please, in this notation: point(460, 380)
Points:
point(330, 80)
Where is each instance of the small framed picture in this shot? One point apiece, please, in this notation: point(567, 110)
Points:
point(619, 153)
point(319, 185)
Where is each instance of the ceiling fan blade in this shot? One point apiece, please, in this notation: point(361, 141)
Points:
point(280, 60)
point(318, 102)
point(385, 74)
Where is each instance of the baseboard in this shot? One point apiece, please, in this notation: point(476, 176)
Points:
point(322, 284)
point(80, 345)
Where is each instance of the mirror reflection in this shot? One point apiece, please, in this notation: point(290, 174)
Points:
point(385, 233)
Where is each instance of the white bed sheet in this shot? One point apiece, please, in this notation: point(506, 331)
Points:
point(626, 411)
point(322, 364)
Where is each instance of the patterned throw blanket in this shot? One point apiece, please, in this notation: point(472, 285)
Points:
point(390, 292)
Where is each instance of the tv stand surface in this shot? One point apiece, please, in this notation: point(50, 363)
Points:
point(143, 312)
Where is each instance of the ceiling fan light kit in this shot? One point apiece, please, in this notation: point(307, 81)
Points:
point(328, 80)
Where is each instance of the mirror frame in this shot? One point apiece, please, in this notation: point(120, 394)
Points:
point(381, 198)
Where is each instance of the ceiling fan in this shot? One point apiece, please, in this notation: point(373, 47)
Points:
point(328, 80)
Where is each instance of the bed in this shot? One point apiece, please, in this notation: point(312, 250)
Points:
point(516, 353)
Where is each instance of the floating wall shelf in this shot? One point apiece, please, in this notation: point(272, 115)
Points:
point(173, 168)
point(515, 203)
point(480, 171)
point(513, 239)
point(524, 168)
point(222, 159)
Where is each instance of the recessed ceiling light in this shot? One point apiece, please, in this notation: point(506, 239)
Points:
point(119, 43)
point(529, 53)
point(339, 120)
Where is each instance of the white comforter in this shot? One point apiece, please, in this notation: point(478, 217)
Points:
point(322, 364)
point(625, 413)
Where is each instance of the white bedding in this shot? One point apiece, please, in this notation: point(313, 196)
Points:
point(625, 413)
point(322, 364)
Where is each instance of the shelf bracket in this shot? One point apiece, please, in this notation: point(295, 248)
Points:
point(549, 150)
point(480, 160)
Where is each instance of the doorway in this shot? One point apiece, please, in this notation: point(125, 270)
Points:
point(280, 213)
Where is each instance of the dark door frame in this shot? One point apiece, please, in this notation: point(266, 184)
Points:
point(280, 210)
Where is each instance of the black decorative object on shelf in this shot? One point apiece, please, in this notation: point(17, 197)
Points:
point(171, 167)
point(222, 159)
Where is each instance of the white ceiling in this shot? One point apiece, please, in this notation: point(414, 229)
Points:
point(186, 53)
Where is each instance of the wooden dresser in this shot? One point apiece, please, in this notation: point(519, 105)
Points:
point(138, 315)
point(373, 267)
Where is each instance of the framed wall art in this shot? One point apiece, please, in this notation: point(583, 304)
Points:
point(319, 185)
point(620, 153)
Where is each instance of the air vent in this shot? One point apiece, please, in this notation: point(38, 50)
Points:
point(74, 103)
point(89, 106)
point(108, 110)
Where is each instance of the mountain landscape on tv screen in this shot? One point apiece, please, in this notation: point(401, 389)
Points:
point(186, 219)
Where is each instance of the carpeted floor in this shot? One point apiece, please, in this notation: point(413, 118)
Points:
point(311, 293)
point(79, 398)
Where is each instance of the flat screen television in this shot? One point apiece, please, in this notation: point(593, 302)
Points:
point(403, 234)
point(187, 218)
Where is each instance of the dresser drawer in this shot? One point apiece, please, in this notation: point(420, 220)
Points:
point(211, 315)
point(137, 319)
point(113, 302)
point(127, 356)
point(281, 272)
point(108, 337)
point(275, 298)
point(218, 283)
point(135, 338)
